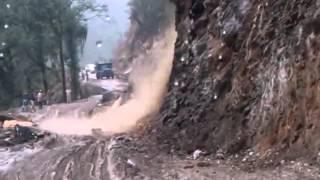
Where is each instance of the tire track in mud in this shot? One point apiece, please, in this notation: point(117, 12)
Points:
point(59, 157)
point(83, 159)
point(87, 158)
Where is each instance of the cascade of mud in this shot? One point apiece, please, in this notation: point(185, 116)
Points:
point(150, 78)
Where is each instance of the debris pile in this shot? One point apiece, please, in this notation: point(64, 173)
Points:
point(14, 131)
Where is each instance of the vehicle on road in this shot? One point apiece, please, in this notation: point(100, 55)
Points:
point(104, 70)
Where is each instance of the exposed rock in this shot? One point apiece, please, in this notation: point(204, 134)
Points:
point(250, 75)
point(197, 153)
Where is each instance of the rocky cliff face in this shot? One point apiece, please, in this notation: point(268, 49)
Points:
point(245, 75)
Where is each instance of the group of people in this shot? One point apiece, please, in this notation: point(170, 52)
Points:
point(84, 74)
point(31, 100)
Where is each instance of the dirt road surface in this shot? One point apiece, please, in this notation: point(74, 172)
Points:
point(89, 158)
point(118, 157)
point(109, 84)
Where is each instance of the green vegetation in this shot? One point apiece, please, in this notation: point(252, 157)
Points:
point(40, 44)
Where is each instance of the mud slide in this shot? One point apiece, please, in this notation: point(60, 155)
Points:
point(150, 81)
point(84, 157)
point(71, 152)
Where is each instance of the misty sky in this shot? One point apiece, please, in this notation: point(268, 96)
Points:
point(108, 32)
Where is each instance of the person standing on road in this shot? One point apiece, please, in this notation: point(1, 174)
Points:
point(83, 75)
point(40, 99)
point(32, 100)
point(48, 97)
point(87, 75)
point(24, 102)
point(68, 92)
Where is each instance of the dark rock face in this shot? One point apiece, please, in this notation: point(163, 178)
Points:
point(246, 75)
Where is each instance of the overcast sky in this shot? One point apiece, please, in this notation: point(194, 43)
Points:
point(107, 32)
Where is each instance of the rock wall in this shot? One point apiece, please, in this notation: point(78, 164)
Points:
point(245, 75)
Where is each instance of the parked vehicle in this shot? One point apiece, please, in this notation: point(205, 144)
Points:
point(104, 70)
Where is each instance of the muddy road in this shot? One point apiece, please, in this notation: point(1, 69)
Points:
point(60, 156)
point(124, 156)
point(70, 158)
point(88, 158)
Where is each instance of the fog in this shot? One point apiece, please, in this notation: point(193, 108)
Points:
point(109, 32)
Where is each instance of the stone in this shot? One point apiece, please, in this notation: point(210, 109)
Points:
point(197, 153)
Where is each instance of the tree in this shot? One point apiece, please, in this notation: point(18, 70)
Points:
point(76, 34)
point(27, 37)
point(68, 25)
point(39, 38)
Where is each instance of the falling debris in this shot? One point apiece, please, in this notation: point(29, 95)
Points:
point(197, 153)
point(131, 163)
point(99, 44)
point(215, 97)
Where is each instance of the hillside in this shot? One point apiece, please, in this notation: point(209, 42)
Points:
point(245, 76)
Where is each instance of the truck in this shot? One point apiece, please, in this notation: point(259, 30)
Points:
point(104, 70)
